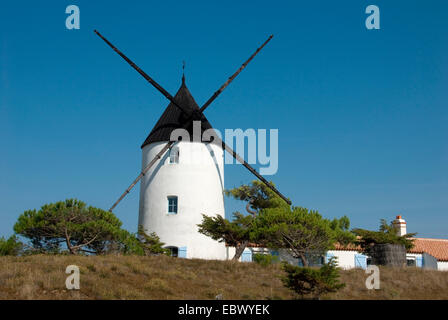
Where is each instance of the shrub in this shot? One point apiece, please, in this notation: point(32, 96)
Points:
point(10, 247)
point(313, 282)
point(150, 243)
point(300, 231)
point(265, 259)
point(386, 235)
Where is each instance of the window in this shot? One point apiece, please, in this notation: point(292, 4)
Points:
point(315, 260)
point(174, 155)
point(174, 251)
point(410, 262)
point(172, 205)
point(178, 252)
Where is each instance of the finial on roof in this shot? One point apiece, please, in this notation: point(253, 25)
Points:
point(183, 72)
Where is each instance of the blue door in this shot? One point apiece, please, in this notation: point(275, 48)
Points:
point(360, 261)
point(246, 256)
point(419, 262)
point(182, 253)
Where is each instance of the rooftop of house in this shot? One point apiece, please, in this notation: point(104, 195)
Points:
point(438, 248)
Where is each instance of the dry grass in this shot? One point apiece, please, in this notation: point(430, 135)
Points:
point(130, 277)
point(395, 284)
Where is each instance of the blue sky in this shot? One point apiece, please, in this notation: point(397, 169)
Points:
point(361, 113)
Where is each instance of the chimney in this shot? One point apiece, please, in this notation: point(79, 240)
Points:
point(400, 224)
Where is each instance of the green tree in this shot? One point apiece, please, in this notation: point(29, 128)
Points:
point(234, 233)
point(302, 232)
point(237, 232)
point(258, 196)
point(387, 234)
point(124, 242)
point(11, 246)
point(150, 243)
point(71, 222)
point(313, 282)
point(274, 224)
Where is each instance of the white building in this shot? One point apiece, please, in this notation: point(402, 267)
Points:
point(426, 253)
point(187, 182)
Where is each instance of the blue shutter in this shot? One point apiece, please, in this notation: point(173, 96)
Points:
point(360, 261)
point(246, 256)
point(328, 256)
point(274, 253)
point(182, 252)
point(419, 262)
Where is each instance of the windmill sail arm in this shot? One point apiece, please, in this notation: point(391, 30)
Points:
point(253, 171)
point(144, 75)
point(226, 147)
point(142, 174)
point(189, 116)
point(233, 76)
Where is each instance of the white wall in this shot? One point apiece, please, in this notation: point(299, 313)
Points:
point(429, 261)
point(230, 252)
point(345, 258)
point(198, 183)
point(442, 265)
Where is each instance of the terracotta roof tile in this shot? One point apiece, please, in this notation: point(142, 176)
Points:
point(350, 247)
point(438, 248)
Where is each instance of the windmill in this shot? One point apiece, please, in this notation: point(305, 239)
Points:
point(173, 193)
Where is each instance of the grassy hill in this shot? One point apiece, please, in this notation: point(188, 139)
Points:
point(131, 277)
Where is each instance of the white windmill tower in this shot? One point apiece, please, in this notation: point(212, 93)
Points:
point(185, 183)
point(181, 180)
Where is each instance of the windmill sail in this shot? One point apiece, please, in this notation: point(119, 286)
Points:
point(187, 117)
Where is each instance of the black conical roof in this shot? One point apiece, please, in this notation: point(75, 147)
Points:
point(174, 118)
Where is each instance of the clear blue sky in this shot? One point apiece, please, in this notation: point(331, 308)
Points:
point(362, 115)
